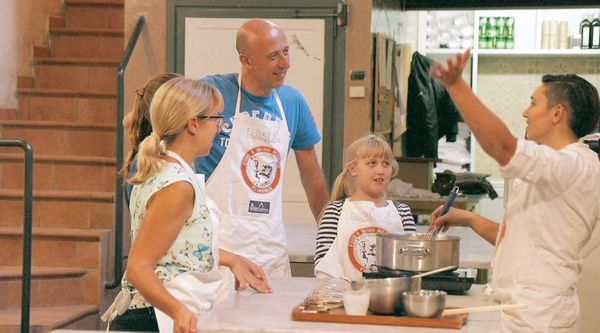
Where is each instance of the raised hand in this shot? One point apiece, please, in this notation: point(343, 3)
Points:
point(453, 71)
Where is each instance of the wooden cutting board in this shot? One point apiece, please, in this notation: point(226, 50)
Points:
point(338, 315)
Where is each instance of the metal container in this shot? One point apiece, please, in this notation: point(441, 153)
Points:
point(410, 252)
point(386, 294)
point(424, 303)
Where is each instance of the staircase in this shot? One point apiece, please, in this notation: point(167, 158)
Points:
point(67, 113)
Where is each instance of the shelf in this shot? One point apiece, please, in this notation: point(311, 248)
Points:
point(534, 52)
point(517, 53)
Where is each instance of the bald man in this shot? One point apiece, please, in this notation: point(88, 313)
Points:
point(264, 119)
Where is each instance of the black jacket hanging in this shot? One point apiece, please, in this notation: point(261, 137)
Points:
point(431, 114)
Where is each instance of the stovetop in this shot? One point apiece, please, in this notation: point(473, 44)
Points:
point(449, 282)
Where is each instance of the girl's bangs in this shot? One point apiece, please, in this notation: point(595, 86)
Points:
point(374, 149)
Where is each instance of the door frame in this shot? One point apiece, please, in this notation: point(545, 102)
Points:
point(335, 46)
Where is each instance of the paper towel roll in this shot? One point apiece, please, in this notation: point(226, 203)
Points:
point(563, 35)
point(553, 37)
point(545, 34)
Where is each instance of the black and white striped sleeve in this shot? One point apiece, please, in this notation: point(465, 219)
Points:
point(408, 221)
point(328, 229)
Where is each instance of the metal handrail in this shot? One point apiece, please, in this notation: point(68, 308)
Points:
point(118, 269)
point(27, 209)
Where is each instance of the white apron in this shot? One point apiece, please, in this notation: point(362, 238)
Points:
point(247, 186)
point(353, 250)
point(199, 291)
point(550, 308)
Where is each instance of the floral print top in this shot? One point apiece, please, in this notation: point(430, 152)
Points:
point(192, 250)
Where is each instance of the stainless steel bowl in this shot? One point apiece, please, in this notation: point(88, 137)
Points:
point(424, 303)
point(386, 294)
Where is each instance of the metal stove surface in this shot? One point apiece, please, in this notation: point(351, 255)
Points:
point(449, 282)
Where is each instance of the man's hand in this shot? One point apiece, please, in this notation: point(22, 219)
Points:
point(452, 73)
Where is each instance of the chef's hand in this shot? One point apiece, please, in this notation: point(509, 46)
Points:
point(184, 320)
point(248, 274)
point(453, 217)
point(453, 71)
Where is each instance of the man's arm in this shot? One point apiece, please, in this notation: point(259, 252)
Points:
point(491, 133)
point(313, 180)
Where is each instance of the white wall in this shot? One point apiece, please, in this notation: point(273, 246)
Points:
point(8, 54)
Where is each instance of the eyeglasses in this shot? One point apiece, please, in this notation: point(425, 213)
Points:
point(219, 119)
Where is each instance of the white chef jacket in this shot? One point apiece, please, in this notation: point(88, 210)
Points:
point(553, 205)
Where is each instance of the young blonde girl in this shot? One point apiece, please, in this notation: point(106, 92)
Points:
point(358, 211)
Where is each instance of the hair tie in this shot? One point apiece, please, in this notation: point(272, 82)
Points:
point(162, 145)
point(139, 91)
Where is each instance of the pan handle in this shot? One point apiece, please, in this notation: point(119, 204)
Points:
point(415, 251)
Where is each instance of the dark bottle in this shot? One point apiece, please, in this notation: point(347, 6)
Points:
point(595, 33)
point(586, 28)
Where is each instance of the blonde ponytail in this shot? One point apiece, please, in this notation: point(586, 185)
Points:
point(173, 104)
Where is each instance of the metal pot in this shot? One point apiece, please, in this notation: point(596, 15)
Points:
point(386, 294)
point(410, 252)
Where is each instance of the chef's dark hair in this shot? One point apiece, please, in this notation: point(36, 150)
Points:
point(174, 103)
point(140, 114)
point(579, 97)
point(368, 146)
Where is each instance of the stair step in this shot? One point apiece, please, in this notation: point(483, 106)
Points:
point(106, 3)
point(83, 109)
point(62, 138)
point(88, 31)
point(60, 195)
point(87, 43)
point(59, 209)
point(94, 16)
point(61, 159)
point(8, 273)
point(76, 77)
point(59, 172)
point(65, 93)
point(76, 61)
point(62, 247)
point(45, 319)
point(49, 286)
point(56, 22)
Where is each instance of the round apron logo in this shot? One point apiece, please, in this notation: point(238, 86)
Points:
point(261, 169)
point(362, 248)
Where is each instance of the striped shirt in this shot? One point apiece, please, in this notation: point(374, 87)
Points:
point(329, 223)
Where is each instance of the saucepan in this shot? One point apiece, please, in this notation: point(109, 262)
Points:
point(412, 252)
point(386, 293)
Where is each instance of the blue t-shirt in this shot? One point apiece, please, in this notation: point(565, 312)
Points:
point(303, 130)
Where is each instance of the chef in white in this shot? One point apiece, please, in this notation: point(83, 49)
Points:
point(173, 270)
point(552, 205)
point(264, 118)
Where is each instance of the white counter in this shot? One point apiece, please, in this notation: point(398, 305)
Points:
point(474, 251)
point(254, 312)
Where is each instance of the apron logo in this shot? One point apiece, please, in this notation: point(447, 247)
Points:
point(260, 207)
point(362, 248)
point(261, 169)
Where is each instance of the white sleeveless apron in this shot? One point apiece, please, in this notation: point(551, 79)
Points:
point(551, 308)
point(247, 187)
point(353, 250)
